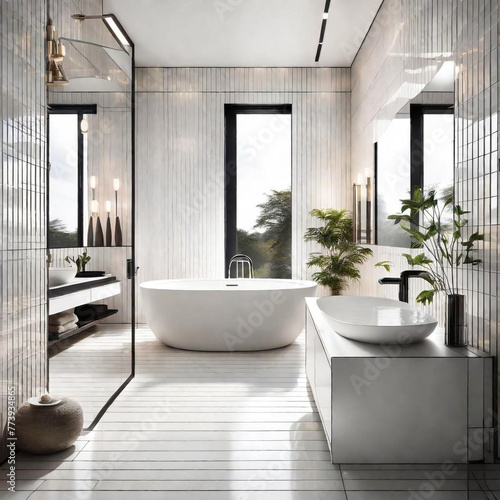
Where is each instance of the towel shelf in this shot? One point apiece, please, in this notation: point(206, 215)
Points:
point(79, 292)
point(82, 326)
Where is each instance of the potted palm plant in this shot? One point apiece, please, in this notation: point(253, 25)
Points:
point(339, 263)
point(439, 226)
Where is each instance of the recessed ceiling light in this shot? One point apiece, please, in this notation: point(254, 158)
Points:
point(322, 30)
point(318, 53)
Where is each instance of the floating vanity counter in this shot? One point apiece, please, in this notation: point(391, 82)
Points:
point(416, 403)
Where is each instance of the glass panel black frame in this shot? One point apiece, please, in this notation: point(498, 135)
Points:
point(131, 262)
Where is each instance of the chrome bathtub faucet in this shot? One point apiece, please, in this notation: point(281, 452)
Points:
point(242, 262)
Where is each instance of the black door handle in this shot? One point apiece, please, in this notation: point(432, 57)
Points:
point(131, 269)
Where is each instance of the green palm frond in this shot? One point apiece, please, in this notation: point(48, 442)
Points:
point(340, 263)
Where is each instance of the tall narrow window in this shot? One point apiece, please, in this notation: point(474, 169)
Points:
point(258, 187)
point(64, 180)
point(432, 136)
point(438, 152)
point(67, 157)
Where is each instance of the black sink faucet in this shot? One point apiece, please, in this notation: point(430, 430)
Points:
point(402, 281)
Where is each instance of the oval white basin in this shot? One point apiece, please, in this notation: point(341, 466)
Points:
point(58, 277)
point(375, 320)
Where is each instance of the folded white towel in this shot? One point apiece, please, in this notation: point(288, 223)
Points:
point(63, 318)
point(62, 328)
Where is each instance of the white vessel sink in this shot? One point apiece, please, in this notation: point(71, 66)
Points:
point(376, 320)
point(58, 277)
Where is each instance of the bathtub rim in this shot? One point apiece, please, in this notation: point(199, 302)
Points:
point(303, 285)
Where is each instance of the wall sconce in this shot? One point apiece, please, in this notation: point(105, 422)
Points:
point(357, 209)
point(84, 126)
point(116, 187)
point(94, 209)
point(118, 227)
point(108, 224)
point(99, 237)
point(368, 205)
point(94, 206)
point(93, 185)
point(54, 75)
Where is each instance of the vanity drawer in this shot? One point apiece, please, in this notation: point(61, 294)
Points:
point(105, 291)
point(70, 301)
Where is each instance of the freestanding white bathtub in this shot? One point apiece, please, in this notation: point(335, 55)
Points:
point(226, 315)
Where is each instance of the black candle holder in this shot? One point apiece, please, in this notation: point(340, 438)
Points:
point(108, 232)
point(118, 233)
point(99, 236)
point(90, 233)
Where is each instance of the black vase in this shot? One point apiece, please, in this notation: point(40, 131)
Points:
point(108, 232)
point(118, 233)
point(90, 233)
point(99, 236)
point(456, 328)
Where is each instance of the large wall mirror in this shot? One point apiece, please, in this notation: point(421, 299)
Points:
point(416, 150)
point(90, 214)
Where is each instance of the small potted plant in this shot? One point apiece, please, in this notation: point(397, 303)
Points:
point(339, 263)
point(439, 226)
point(81, 261)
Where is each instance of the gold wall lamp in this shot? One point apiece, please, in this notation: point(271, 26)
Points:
point(54, 75)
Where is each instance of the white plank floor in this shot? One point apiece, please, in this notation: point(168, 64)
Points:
point(223, 426)
point(89, 367)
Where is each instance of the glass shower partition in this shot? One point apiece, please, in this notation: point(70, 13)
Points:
point(93, 360)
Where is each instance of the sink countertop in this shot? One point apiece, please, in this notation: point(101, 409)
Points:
point(337, 346)
point(79, 284)
point(79, 281)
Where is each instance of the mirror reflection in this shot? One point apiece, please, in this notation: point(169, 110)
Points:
point(415, 151)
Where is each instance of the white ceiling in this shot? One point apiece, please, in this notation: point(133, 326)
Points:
point(237, 33)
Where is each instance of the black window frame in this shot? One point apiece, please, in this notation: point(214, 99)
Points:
point(231, 112)
point(80, 111)
point(417, 113)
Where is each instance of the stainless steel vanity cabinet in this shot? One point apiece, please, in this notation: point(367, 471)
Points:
point(418, 403)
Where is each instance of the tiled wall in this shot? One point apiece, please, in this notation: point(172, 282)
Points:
point(22, 200)
point(398, 58)
point(476, 173)
point(180, 159)
point(23, 194)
